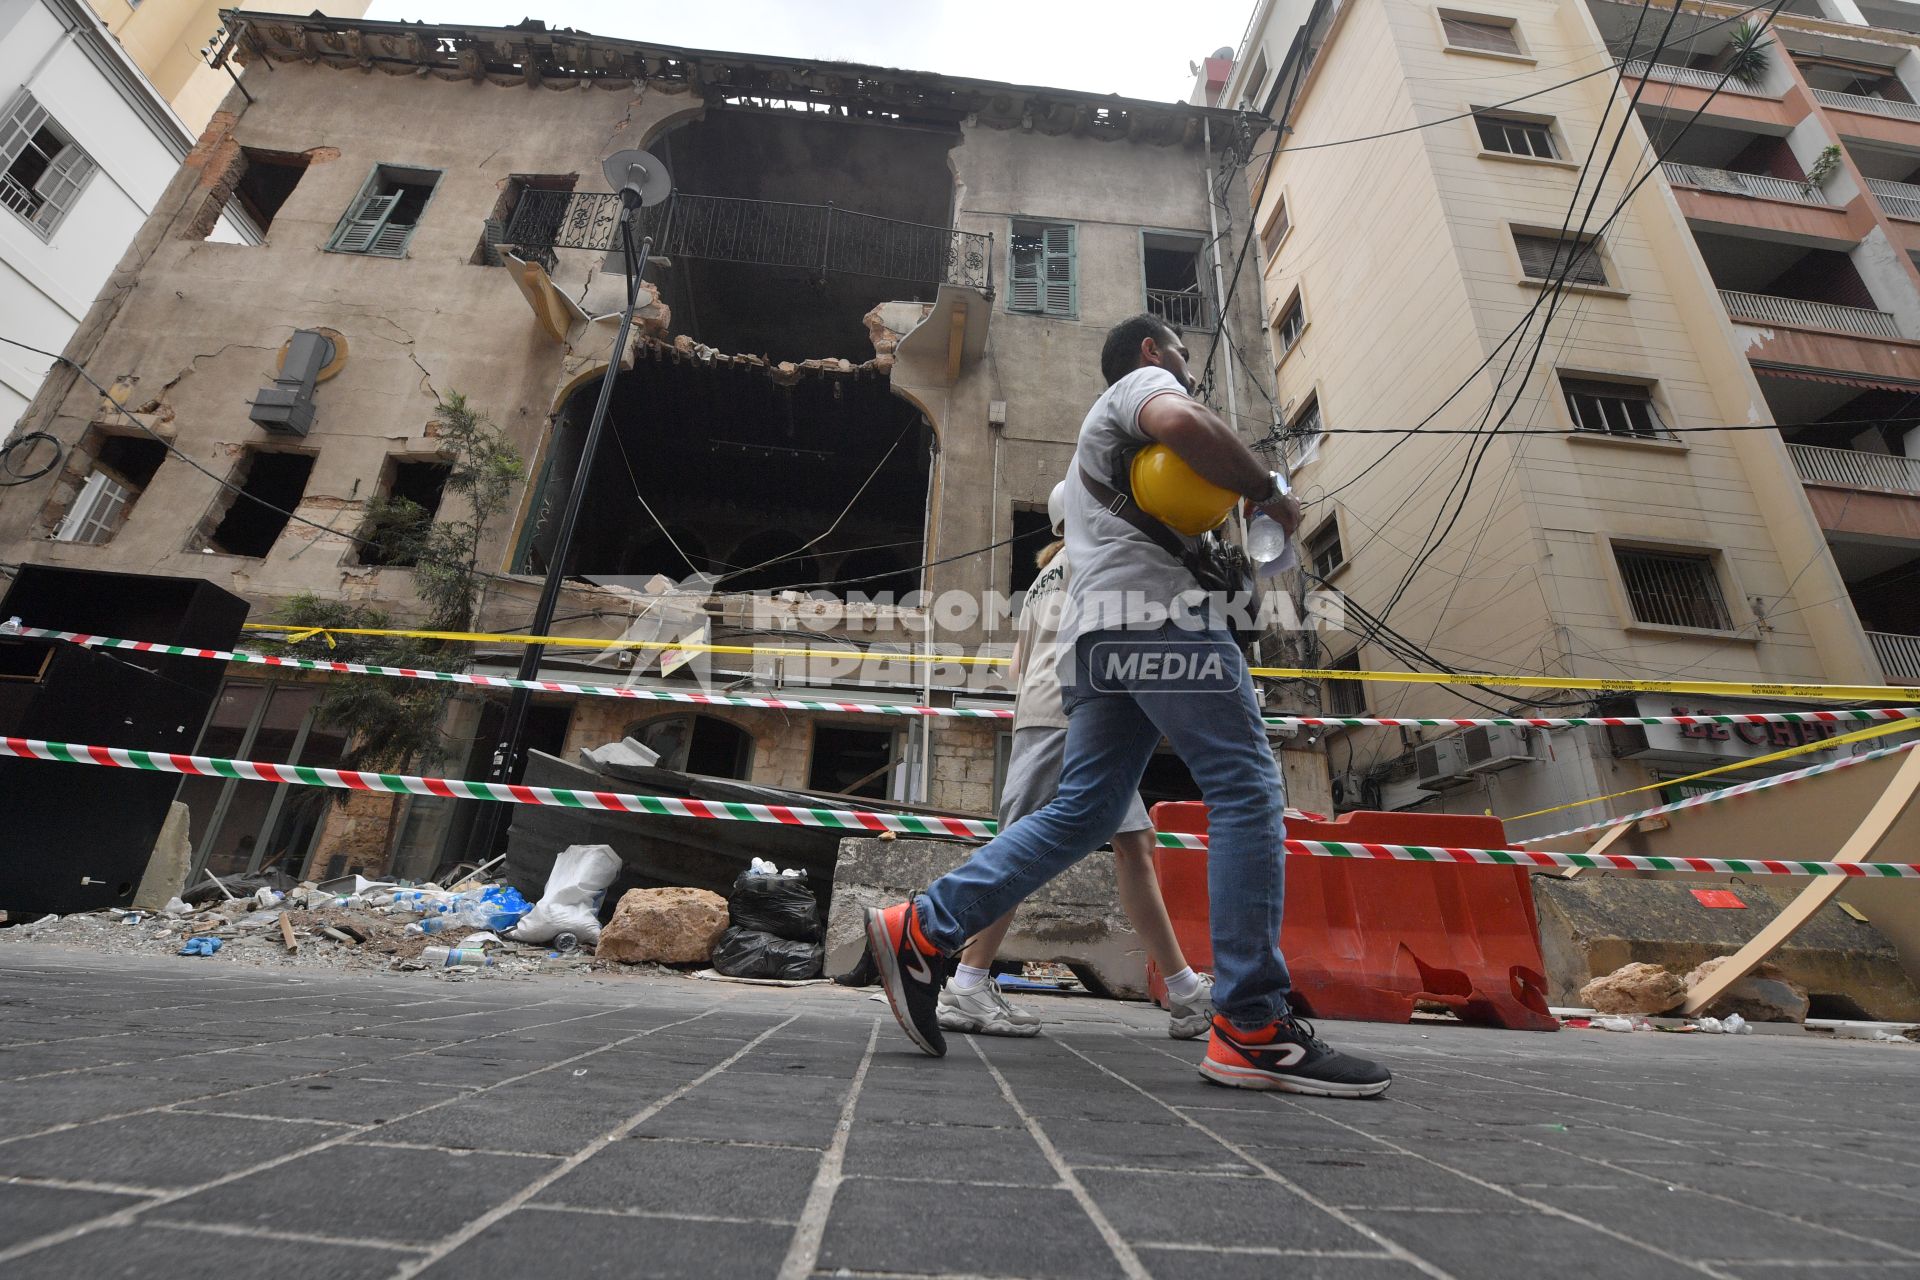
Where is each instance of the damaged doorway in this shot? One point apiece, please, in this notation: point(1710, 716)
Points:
point(718, 468)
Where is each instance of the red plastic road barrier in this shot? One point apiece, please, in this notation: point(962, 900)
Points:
point(1365, 940)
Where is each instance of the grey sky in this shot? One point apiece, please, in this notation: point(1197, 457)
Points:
point(1129, 47)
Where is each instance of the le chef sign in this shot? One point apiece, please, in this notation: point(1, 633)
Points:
point(1715, 743)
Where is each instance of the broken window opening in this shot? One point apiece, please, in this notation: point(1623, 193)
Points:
point(269, 178)
point(854, 762)
point(716, 468)
point(895, 172)
point(123, 468)
point(400, 520)
point(1032, 534)
point(270, 485)
point(381, 219)
point(1171, 265)
point(702, 744)
point(1042, 274)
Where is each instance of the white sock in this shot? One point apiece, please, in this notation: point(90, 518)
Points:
point(966, 977)
point(1184, 985)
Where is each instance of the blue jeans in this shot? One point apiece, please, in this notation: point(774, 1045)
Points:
point(1113, 725)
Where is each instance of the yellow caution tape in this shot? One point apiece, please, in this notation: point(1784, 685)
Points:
point(1858, 735)
point(1711, 688)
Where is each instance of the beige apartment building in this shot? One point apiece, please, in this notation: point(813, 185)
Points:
point(178, 42)
point(870, 332)
point(1767, 276)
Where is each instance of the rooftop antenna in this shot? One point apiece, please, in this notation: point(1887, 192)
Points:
point(640, 181)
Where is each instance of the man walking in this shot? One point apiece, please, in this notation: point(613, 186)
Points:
point(1142, 659)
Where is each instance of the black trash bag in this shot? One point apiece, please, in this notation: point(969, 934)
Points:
point(781, 905)
point(751, 953)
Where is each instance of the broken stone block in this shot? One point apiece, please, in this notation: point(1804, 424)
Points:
point(1074, 919)
point(1634, 988)
point(664, 926)
point(166, 872)
point(1765, 995)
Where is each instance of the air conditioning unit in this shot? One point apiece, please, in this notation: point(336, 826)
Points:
point(1441, 765)
point(1350, 791)
point(1491, 748)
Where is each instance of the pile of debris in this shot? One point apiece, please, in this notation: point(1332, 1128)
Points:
point(470, 926)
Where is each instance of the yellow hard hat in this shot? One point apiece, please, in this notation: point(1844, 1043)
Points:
point(1174, 494)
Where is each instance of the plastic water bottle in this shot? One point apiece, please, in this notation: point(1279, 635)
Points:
point(1268, 545)
point(456, 957)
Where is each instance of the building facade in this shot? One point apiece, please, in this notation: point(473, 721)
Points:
point(86, 148)
point(870, 329)
point(1564, 327)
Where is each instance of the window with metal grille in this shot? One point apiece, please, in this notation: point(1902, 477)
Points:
point(1303, 434)
point(1480, 32)
point(1286, 330)
point(1516, 136)
point(1345, 697)
point(1324, 553)
point(42, 169)
point(1276, 228)
point(382, 217)
point(1549, 256)
point(1613, 408)
point(1042, 269)
point(1673, 588)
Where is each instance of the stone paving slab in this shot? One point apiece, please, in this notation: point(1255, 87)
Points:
point(165, 1119)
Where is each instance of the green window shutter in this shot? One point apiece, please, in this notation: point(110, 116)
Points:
point(1061, 285)
point(493, 234)
point(1028, 265)
point(364, 224)
point(391, 240)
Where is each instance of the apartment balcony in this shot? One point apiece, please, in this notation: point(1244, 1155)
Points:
point(1899, 656)
point(1687, 89)
point(1757, 186)
point(1898, 199)
point(1856, 469)
point(1864, 104)
point(1765, 309)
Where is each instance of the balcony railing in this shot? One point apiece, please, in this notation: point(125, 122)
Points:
point(773, 233)
point(1699, 79)
point(1899, 199)
point(1899, 656)
point(1181, 308)
point(1768, 309)
point(1870, 106)
point(1760, 185)
point(1856, 469)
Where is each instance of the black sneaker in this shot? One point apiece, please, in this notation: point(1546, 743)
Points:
point(911, 971)
point(1287, 1056)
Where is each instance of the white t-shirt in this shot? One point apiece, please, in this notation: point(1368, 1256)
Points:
point(1038, 704)
point(1121, 577)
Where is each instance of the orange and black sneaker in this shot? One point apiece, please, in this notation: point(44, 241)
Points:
point(912, 970)
point(1287, 1056)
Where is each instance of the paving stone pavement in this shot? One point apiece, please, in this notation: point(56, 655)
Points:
point(187, 1118)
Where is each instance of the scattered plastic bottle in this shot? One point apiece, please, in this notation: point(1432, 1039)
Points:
point(564, 942)
point(456, 958)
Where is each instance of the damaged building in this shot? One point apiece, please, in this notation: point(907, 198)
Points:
point(868, 332)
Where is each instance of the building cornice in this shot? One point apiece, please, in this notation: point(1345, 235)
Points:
point(564, 58)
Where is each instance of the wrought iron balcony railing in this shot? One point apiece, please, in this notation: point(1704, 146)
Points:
point(817, 237)
point(1181, 308)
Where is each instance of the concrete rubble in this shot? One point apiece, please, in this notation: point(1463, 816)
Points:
point(1635, 989)
point(664, 926)
point(1765, 995)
